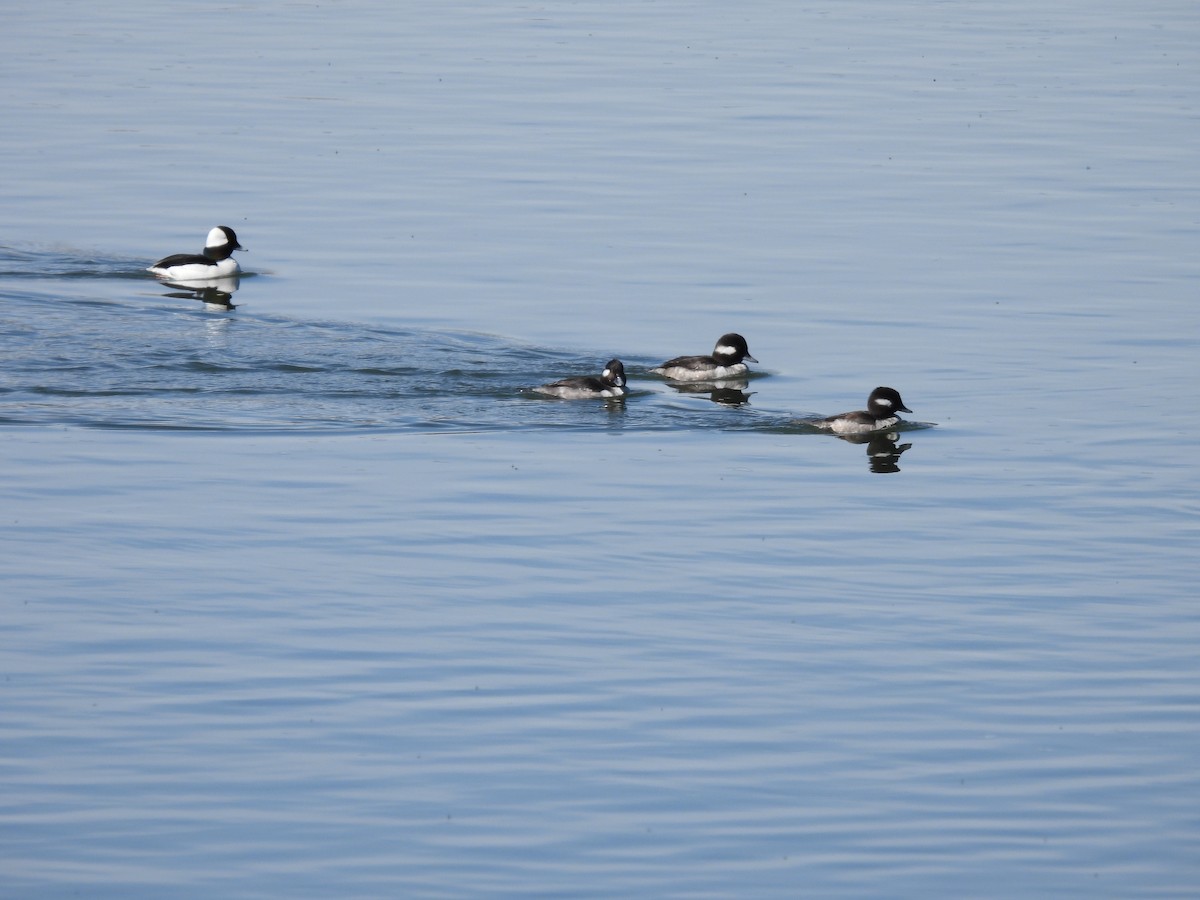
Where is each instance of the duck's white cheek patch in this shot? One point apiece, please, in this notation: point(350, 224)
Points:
point(725, 350)
point(216, 238)
point(883, 401)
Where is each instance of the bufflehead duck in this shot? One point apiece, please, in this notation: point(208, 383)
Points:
point(725, 362)
point(215, 262)
point(609, 383)
point(882, 406)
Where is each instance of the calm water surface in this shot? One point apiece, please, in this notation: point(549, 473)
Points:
point(311, 597)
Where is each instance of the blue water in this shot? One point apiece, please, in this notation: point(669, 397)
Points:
point(311, 597)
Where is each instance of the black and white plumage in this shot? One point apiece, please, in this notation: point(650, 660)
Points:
point(216, 260)
point(608, 384)
point(881, 413)
point(726, 361)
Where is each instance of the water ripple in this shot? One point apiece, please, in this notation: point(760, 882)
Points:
point(151, 362)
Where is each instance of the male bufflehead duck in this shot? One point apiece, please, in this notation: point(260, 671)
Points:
point(725, 362)
point(882, 406)
point(215, 262)
point(609, 383)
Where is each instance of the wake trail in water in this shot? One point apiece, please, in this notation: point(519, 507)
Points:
point(79, 351)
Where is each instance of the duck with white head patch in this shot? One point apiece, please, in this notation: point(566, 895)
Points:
point(609, 384)
point(216, 261)
point(880, 414)
point(726, 361)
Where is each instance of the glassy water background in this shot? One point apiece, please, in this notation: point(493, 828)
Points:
point(311, 597)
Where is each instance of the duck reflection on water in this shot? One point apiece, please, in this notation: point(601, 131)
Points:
point(883, 451)
point(728, 391)
point(215, 294)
